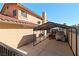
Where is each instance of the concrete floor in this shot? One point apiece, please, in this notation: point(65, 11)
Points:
point(48, 48)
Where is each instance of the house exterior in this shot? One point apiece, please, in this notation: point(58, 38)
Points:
point(20, 12)
point(17, 22)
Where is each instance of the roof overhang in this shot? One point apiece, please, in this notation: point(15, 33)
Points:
point(13, 21)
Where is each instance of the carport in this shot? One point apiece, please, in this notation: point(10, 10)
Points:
point(47, 26)
point(72, 42)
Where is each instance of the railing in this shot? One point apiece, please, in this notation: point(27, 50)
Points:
point(8, 51)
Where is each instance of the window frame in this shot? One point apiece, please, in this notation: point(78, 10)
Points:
point(39, 22)
point(14, 12)
point(24, 14)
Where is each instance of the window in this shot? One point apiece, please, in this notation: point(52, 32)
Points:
point(14, 13)
point(23, 14)
point(7, 7)
point(38, 22)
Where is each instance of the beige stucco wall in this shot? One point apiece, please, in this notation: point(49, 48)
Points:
point(29, 18)
point(12, 37)
point(73, 46)
point(13, 34)
point(69, 38)
point(33, 19)
point(74, 42)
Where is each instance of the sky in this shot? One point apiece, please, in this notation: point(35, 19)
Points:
point(56, 12)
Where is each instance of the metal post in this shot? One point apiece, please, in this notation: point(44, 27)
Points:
point(33, 37)
point(40, 35)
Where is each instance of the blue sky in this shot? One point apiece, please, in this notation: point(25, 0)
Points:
point(56, 12)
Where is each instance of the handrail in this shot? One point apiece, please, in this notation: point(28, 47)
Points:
point(6, 50)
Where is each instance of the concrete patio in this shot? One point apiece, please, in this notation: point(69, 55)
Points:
point(48, 48)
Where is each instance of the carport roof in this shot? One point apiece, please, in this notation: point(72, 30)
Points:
point(49, 25)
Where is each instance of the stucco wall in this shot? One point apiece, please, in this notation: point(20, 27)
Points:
point(29, 18)
point(33, 19)
point(13, 34)
point(74, 42)
point(69, 38)
point(10, 10)
point(12, 37)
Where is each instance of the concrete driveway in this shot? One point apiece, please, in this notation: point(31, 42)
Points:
point(48, 48)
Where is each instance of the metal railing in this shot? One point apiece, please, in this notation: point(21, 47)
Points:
point(9, 51)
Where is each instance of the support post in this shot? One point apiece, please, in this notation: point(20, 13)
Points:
point(33, 37)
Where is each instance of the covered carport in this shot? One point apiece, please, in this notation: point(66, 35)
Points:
point(49, 25)
point(70, 32)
